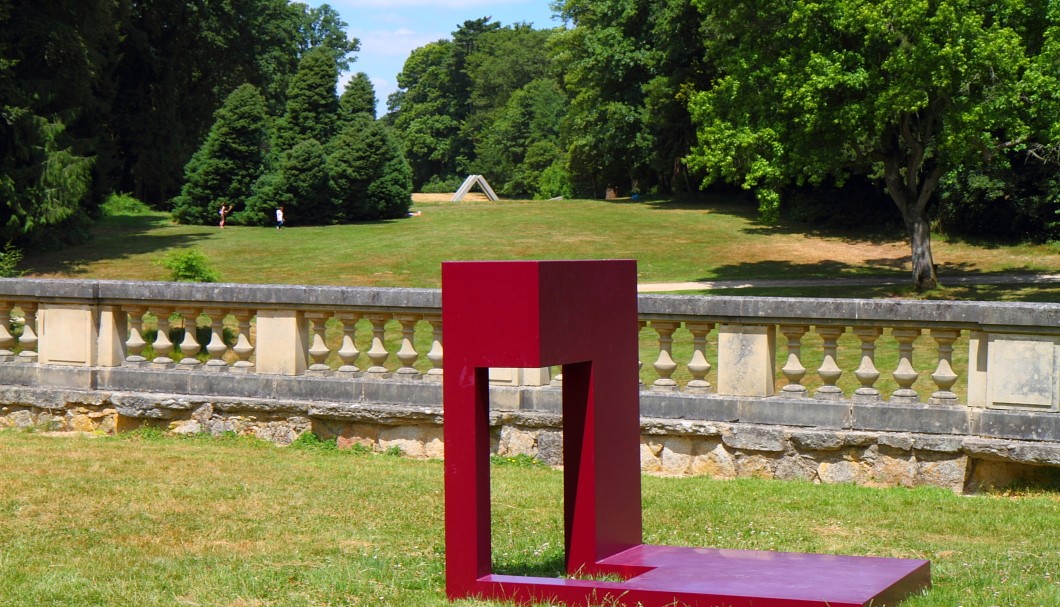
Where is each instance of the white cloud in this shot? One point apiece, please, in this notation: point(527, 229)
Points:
point(398, 42)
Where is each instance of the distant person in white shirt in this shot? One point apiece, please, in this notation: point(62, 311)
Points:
point(279, 217)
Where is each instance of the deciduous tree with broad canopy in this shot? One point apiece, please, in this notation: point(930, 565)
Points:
point(899, 90)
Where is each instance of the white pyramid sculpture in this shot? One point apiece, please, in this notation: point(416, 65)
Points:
point(470, 183)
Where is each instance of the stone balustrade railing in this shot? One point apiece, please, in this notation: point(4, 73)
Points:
point(829, 348)
point(956, 394)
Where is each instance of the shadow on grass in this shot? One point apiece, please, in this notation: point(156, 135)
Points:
point(113, 237)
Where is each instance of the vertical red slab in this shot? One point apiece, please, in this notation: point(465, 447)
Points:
point(583, 315)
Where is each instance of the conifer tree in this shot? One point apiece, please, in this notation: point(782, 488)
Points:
point(370, 177)
point(225, 168)
point(357, 98)
point(312, 107)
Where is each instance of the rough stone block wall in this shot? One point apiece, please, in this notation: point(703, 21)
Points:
point(668, 447)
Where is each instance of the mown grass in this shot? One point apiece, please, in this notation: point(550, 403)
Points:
point(142, 520)
point(715, 238)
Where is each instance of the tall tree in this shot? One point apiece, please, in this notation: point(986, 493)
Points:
point(312, 107)
point(626, 65)
point(904, 91)
point(225, 168)
point(53, 56)
point(423, 112)
point(323, 27)
point(358, 97)
point(524, 140)
point(370, 178)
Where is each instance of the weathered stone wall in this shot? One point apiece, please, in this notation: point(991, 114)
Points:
point(721, 449)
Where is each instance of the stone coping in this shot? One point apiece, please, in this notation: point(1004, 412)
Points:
point(1017, 317)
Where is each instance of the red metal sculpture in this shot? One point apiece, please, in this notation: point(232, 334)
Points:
point(583, 315)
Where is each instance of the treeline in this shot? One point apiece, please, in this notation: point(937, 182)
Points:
point(948, 109)
point(101, 96)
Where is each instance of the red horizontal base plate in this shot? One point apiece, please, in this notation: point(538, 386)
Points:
point(668, 576)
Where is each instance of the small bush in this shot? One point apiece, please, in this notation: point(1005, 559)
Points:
point(124, 204)
point(10, 257)
point(442, 185)
point(188, 265)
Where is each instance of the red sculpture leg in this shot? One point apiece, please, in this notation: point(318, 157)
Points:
point(583, 315)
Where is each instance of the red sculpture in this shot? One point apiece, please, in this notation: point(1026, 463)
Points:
point(583, 315)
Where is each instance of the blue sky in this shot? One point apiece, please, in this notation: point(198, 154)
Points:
point(390, 29)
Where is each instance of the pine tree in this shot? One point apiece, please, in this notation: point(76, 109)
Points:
point(357, 98)
point(312, 106)
point(224, 169)
point(370, 177)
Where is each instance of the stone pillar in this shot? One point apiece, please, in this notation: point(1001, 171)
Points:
point(162, 346)
point(243, 348)
point(110, 345)
point(348, 351)
point(793, 369)
point(190, 346)
point(435, 355)
point(377, 353)
point(135, 345)
point(68, 335)
point(216, 347)
point(829, 371)
point(746, 360)
point(28, 339)
point(318, 348)
point(867, 373)
point(282, 342)
point(7, 340)
point(944, 376)
point(905, 375)
point(665, 365)
point(407, 353)
point(698, 366)
point(977, 368)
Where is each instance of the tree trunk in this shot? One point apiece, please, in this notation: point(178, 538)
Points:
point(924, 276)
point(911, 187)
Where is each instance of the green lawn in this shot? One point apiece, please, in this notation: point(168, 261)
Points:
point(142, 521)
point(671, 240)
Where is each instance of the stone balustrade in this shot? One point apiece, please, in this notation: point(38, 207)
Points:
point(975, 370)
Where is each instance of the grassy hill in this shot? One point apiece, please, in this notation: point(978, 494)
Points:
point(672, 241)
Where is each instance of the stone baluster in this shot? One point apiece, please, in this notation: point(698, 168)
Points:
point(829, 372)
point(698, 366)
point(135, 344)
point(905, 375)
point(7, 340)
point(665, 365)
point(189, 346)
point(793, 370)
point(377, 353)
point(243, 348)
point(318, 348)
point(162, 345)
point(348, 351)
point(867, 373)
point(944, 375)
point(28, 339)
point(435, 353)
point(216, 347)
point(407, 354)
